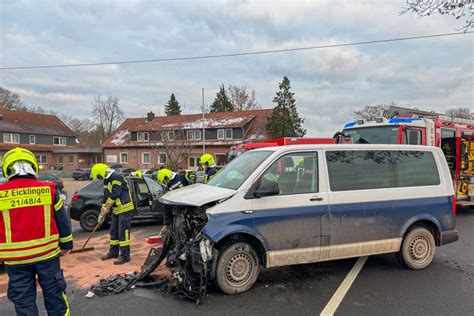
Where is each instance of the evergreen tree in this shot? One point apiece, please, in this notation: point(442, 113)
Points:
point(172, 107)
point(221, 102)
point(285, 121)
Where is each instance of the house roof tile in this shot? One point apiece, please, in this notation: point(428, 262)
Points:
point(33, 123)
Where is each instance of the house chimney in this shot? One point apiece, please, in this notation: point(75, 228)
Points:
point(150, 116)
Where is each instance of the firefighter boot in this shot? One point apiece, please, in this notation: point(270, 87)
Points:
point(121, 260)
point(109, 256)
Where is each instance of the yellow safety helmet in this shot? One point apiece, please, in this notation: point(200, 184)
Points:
point(137, 174)
point(99, 171)
point(164, 175)
point(207, 160)
point(16, 155)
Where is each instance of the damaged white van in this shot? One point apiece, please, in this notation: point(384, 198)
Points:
point(300, 204)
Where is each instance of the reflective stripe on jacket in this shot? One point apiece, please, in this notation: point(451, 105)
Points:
point(33, 223)
point(118, 194)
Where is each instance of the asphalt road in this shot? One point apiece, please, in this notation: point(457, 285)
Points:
point(446, 287)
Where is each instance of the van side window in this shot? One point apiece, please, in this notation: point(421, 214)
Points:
point(364, 170)
point(360, 170)
point(295, 173)
point(415, 168)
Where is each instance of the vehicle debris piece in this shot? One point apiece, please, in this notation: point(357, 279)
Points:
point(188, 256)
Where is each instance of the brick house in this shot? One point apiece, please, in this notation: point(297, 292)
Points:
point(54, 144)
point(143, 143)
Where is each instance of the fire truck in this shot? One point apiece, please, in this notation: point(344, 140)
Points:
point(455, 136)
point(237, 150)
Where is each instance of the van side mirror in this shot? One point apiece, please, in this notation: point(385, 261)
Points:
point(266, 188)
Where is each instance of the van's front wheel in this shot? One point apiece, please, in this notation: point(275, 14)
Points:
point(237, 268)
point(418, 248)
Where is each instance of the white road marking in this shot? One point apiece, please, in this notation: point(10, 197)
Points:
point(338, 296)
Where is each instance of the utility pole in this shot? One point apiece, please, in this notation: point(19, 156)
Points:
point(203, 126)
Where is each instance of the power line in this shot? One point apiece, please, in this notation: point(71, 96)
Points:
point(235, 54)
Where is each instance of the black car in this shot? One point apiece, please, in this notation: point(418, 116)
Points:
point(44, 176)
point(87, 202)
point(82, 174)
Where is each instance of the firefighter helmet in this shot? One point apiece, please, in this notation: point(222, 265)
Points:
point(19, 161)
point(164, 175)
point(137, 174)
point(206, 160)
point(99, 171)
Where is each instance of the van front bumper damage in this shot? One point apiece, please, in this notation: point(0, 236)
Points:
point(190, 257)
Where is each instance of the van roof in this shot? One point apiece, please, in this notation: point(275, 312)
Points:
point(348, 147)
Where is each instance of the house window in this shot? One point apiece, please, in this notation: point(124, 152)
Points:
point(143, 136)
point(146, 158)
point(220, 134)
point(42, 159)
point(190, 135)
point(228, 133)
point(59, 141)
point(60, 159)
point(32, 139)
point(197, 134)
point(11, 138)
point(70, 159)
point(171, 135)
point(162, 159)
point(221, 159)
point(123, 157)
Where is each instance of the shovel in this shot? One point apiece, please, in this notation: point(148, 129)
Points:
point(83, 248)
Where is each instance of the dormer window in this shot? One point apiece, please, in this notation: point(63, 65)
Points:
point(143, 136)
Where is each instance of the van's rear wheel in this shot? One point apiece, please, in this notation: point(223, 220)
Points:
point(237, 268)
point(418, 248)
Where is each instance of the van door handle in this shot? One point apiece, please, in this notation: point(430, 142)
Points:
point(316, 198)
point(247, 212)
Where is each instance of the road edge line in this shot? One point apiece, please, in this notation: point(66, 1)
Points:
point(342, 290)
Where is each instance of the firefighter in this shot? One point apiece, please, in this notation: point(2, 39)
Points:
point(117, 197)
point(34, 232)
point(208, 163)
point(172, 181)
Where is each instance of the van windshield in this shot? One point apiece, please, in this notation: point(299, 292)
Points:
point(373, 135)
point(239, 169)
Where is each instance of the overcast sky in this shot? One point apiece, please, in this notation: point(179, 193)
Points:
point(329, 84)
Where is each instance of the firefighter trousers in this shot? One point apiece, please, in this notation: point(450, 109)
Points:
point(22, 287)
point(120, 234)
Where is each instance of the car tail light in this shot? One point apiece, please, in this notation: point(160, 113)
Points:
point(75, 197)
point(453, 206)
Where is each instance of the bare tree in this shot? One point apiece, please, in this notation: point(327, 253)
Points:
point(174, 144)
point(9, 99)
point(371, 112)
point(107, 114)
point(459, 9)
point(460, 112)
point(241, 98)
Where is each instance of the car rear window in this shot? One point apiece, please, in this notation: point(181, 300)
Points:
point(364, 170)
point(92, 187)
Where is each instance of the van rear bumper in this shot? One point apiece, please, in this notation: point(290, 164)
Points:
point(449, 236)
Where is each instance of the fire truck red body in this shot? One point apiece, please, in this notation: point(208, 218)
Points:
point(237, 150)
point(407, 126)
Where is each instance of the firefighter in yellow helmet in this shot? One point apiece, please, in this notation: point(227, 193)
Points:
point(34, 232)
point(117, 197)
point(137, 174)
point(208, 163)
point(173, 181)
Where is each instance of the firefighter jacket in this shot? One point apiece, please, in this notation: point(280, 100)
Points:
point(179, 180)
point(118, 194)
point(210, 172)
point(34, 225)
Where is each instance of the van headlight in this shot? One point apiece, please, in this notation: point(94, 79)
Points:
point(206, 249)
